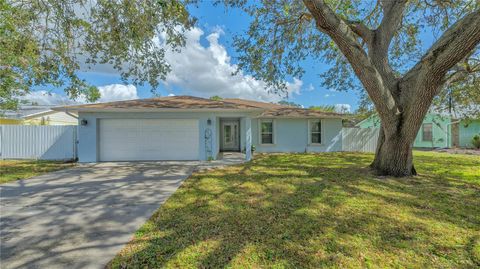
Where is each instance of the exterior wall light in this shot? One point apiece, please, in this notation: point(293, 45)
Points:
point(83, 122)
point(209, 122)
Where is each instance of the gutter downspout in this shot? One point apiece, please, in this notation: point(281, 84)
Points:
point(71, 115)
point(75, 136)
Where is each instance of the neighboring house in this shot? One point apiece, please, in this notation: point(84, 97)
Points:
point(192, 128)
point(51, 117)
point(37, 115)
point(8, 121)
point(464, 131)
point(437, 131)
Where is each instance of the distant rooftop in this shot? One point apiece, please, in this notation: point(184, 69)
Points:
point(24, 110)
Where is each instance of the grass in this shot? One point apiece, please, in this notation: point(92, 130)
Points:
point(317, 210)
point(11, 170)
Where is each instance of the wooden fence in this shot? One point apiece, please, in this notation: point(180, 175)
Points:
point(359, 139)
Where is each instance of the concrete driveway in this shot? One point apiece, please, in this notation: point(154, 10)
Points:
point(81, 217)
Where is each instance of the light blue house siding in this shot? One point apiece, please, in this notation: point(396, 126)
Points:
point(466, 131)
point(441, 130)
point(290, 135)
point(88, 135)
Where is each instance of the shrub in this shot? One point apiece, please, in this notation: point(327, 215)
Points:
point(476, 141)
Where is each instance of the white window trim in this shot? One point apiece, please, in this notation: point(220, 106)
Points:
point(260, 131)
point(431, 131)
point(322, 132)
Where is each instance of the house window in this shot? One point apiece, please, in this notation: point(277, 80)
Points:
point(228, 133)
point(315, 132)
point(266, 133)
point(427, 132)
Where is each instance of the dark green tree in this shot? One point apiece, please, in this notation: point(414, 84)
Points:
point(46, 42)
point(216, 98)
point(324, 108)
point(289, 103)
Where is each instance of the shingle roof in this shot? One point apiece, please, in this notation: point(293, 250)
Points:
point(277, 111)
point(197, 103)
point(170, 102)
point(293, 112)
point(24, 111)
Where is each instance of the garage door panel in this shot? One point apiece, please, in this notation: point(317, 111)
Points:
point(148, 139)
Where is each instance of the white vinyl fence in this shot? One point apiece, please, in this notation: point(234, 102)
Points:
point(359, 139)
point(38, 142)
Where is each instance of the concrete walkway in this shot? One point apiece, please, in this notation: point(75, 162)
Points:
point(81, 217)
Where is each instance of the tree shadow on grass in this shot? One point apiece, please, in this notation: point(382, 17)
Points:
point(308, 210)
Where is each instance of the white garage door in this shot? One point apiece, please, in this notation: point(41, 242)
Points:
point(148, 139)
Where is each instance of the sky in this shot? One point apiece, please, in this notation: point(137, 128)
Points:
point(204, 68)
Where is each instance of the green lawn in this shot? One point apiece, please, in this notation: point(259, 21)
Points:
point(317, 210)
point(11, 170)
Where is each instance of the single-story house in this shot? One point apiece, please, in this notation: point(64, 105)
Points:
point(37, 115)
point(9, 121)
point(192, 128)
point(50, 117)
point(437, 131)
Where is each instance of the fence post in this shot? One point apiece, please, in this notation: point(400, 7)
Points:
point(1, 142)
point(75, 130)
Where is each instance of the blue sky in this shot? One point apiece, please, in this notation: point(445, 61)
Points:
point(234, 22)
point(204, 68)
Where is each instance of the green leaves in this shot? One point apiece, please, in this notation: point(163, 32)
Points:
point(48, 42)
point(283, 34)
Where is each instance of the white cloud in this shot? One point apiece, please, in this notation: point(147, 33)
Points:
point(197, 70)
point(46, 98)
point(343, 108)
point(117, 92)
point(207, 71)
point(171, 94)
point(108, 93)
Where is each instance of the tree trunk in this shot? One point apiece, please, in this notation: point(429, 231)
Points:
point(393, 156)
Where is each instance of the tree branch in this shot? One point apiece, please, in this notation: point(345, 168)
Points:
point(452, 47)
point(346, 40)
point(460, 72)
point(392, 18)
point(423, 82)
point(361, 30)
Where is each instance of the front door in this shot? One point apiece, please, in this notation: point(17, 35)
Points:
point(230, 136)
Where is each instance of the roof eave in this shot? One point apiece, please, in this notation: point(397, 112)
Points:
point(302, 117)
point(38, 114)
point(139, 110)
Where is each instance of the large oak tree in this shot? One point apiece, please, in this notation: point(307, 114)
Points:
point(376, 41)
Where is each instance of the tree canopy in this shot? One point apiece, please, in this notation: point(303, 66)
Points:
point(48, 42)
point(325, 108)
point(289, 103)
point(284, 34)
